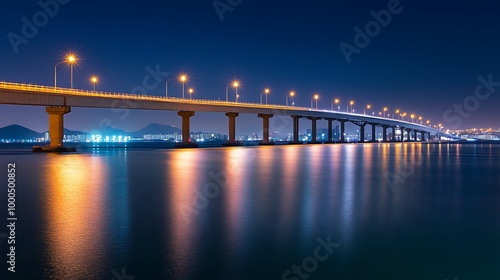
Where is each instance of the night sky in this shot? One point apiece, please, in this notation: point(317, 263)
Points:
point(425, 60)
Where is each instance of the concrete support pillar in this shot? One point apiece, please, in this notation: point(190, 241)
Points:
point(408, 135)
point(186, 126)
point(362, 134)
point(330, 129)
point(56, 125)
point(423, 136)
point(342, 130)
point(384, 133)
point(314, 131)
point(296, 128)
point(393, 138)
point(415, 135)
point(232, 126)
point(429, 137)
point(374, 133)
point(265, 127)
point(402, 129)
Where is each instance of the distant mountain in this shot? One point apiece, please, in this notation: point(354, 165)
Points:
point(18, 132)
point(155, 128)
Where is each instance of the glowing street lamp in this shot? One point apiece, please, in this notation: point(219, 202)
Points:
point(190, 91)
point(94, 80)
point(315, 97)
point(420, 119)
point(396, 113)
point(267, 91)
point(236, 84)
point(412, 116)
point(183, 79)
point(351, 103)
point(385, 110)
point(237, 97)
point(70, 59)
point(337, 102)
point(367, 107)
point(292, 95)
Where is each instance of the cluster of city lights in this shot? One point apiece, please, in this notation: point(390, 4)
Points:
point(397, 114)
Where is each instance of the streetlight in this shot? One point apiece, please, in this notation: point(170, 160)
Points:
point(266, 91)
point(237, 96)
point(94, 80)
point(70, 59)
point(316, 97)
point(396, 114)
point(292, 94)
point(183, 80)
point(190, 91)
point(385, 110)
point(412, 116)
point(367, 107)
point(236, 84)
point(351, 103)
point(420, 119)
point(337, 101)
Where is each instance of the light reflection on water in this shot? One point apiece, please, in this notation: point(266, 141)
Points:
point(74, 214)
point(252, 212)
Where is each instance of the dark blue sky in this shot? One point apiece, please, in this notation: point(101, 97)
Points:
point(427, 58)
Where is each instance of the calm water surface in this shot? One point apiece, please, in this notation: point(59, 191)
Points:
point(388, 211)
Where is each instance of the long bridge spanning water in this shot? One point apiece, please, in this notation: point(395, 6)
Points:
point(58, 102)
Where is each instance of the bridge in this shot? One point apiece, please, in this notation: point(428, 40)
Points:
point(58, 102)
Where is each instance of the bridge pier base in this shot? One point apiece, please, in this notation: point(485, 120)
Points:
point(265, 129)
point(186, 130)
point(314, 131)
point(56, 130)
point(330, 130)
point(393, 137)
point(374, 133)
point(423, 136)
point(384, 133)
point(342, 130)
point(232, 130)
point(295, 130)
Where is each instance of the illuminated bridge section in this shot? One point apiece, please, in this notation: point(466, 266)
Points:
point(60, 100)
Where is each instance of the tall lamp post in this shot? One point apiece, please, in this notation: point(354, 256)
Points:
point(367, 107)
point(190, 91)
point(352, 104)
point(70, 59)
point(292, 94)
point(236, 84)
point(315, 97)
point(183, 80)
point(94, 80)
point(385, 110)
point(267, 91)
point(337, 102)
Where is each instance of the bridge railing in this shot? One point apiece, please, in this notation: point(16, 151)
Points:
point(61, 90)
